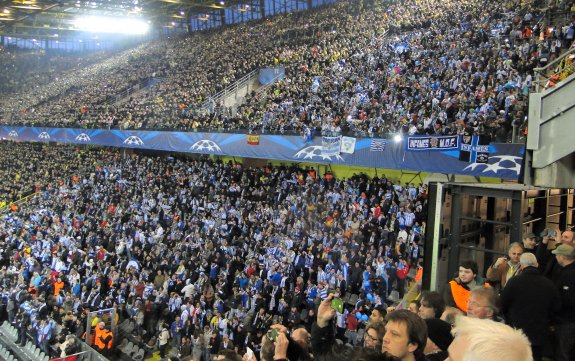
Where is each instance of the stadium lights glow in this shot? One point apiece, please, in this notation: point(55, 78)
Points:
point(99, 24)
point(397, 138)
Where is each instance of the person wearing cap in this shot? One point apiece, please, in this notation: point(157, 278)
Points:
point(438, 339)
point(565, 321)
point(550, 240)
point(530, 302)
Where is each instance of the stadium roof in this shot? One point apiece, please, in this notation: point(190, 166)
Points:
point(53, 18)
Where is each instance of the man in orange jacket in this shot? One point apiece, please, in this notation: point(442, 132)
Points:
point(103, 339)
point(458, 290)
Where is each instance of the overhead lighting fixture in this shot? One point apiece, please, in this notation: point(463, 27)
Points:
point(6, 11)
point(6, 19)
point(99, 24)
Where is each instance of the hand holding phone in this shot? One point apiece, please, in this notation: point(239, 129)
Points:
point(273, 335)
point(337, 304)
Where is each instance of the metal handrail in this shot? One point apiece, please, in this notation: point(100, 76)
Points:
point(542, 72)
point(264, 87)
point(19, 202)
point(229, 89)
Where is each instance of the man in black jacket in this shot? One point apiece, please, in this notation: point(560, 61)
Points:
point(530, 301)
point(565, 283)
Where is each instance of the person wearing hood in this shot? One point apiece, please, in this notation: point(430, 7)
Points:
point(458, 291)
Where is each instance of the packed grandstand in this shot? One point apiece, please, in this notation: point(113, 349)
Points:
point(199, 257)
point(378, 69)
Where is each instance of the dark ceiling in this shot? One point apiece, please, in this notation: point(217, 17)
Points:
point(52, 18)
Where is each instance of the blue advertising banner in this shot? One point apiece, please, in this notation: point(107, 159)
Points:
point(503, 161)
point(269, 75)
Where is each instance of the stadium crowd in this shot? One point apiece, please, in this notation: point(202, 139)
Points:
point(201, 256)
point(159, 239)
point(379, 69)
point(213, 260)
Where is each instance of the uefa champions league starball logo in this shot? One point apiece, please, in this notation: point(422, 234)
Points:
point(315, 152)
point(502, 162)
point(133, 140)
point(206, 145)
point(83, 137)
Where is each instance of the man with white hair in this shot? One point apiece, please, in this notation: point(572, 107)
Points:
point(487, 340)
point(529, 302)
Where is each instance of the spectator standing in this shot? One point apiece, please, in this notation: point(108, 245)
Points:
point(565, 283)
point(530, 302)
point(506, 267)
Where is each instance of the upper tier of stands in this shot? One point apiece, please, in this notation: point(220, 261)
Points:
point(414, 66)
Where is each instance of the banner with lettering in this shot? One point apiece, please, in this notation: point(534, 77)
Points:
point(330, 145)
point(474, 149)
point(445, 142)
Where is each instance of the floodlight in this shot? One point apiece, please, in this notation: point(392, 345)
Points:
point(397, 138)
point(99, 24)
